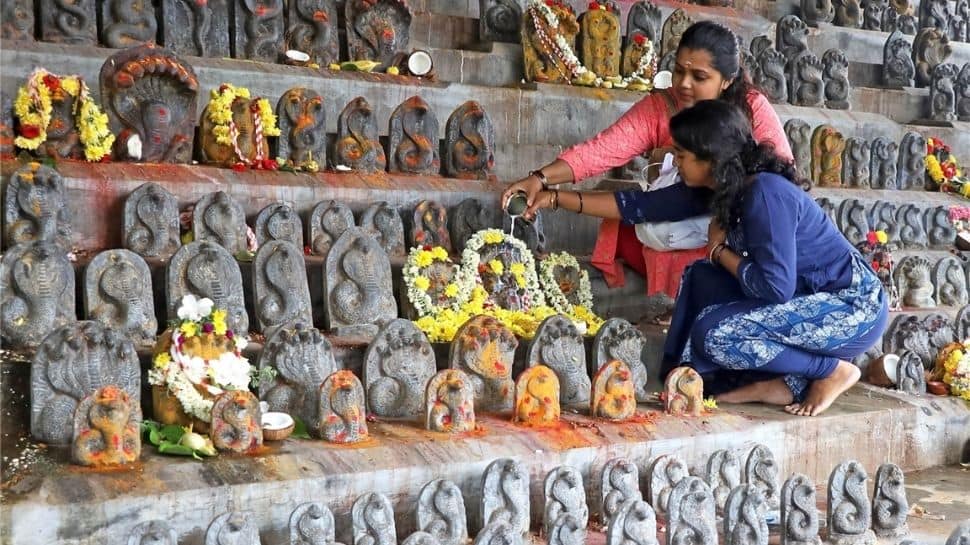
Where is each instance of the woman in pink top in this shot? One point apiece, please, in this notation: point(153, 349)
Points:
point(708, 66)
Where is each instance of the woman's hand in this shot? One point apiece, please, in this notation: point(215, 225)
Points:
point(530, 185)
point(715, 235)
point(543, 199)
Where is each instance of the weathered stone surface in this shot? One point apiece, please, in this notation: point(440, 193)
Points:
point(618, 339)
point(744, 517)
point(151, 222)
point(498, 533)
point(357, 145)
point(873, 14)
point(635, 523)
point(377, 29)
point(566, 530)
point(485, 350)
point(912, 232)
point(127, 23)
point(853, 220)
point(540, 56)
point(303, 359)
point(805, 84)
point(883, 167)
point(909, 375)
point(35, 208)
point(960, 535)
point(934, 14)
point(505, 496)
point(469, 143)
point(907, 332)
point(500, 20)
point(237, 422)
point(328, 220)
point(828, 145)
point(723, 475)
point(200, 30)
point(259, 30)
point(940, 231)
point(835, 74)
point(673, 29)
point(799, 135)
point(565, 495)
point(943, 92)
point(382, 222)
point(619, 484)
point(420, 538)
point(357, 283)
point(959, 21)
point(343, 417)
point(205, 269)
point(684, 390)
point(599, 40)
point(312, 29)
point(856, 161)
point(37, 293)
point(613, 394)
point(413, 136)
point(771, 75)
point(898, 69)
point(907, 24)
point(951, 282)
point(963, 93)
point(68, 22)
point(441, 512)
point(791, 37)
point(537, 397)
point(848, 13)
point(156, 532)
point(118, 294)
point(219, 219)
point(691, 515)
point(817, 11)
point(233, 528)
point(17, 20)
point(72, 363)
point(559, 346)
point(761, 470)
point(280, 286)
point(450, 403)
point(914, 281)
point(301, 115)
point(249, 147)
point(849, 509)
point(279, 221)
point(799, 515)
point(930, 48)
point(665, 472)
point(107, 429)
point(312, 524)
point(429, 225)
point(470, 217)
point(397, 368)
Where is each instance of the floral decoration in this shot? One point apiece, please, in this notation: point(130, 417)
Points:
point(193, 380)
point(555, 293)
point(876, 251)
point(224, 127)
point(943, 170)
point(523, 273)
point(417, 278)
point(34, 106)
point(955, 371)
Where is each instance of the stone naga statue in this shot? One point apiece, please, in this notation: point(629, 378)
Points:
point(943, 93)
point(377, 29)
point(302, 121)
point(835, 74)
point(237, 422)
point(343, 417)
point(505, 495)
point(931, 48)
point(469, 143)
point(849, 513)
point(897, 58)
point(599, 39)
point(312, 29)
point(441, 512)
point(684, 392)
point(817, 11)
point(537, 397)
point(357, 144)
point(963, 93)
point(485, 350)
point(127, 23)
point(799, 514)
point(106, 429)
point(450, 403)
point(414, 138)
point(542, 60)
point(613, 392)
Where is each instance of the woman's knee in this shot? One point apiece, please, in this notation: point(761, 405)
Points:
point(705, 332)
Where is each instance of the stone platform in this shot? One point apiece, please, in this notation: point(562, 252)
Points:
point(47, 501)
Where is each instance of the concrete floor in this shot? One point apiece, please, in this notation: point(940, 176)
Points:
point(943, 493)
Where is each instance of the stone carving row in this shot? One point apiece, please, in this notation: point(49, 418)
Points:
point(950, 93)
point(907, 225)
point(263, 29)
point(880, 15)
point(924, 336)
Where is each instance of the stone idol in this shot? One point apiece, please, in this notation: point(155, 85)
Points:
point(817, 11)
point(541, 58)
point(619, 483)
point(205, 269)
point(17, 18)
point(237, 422)
point(806, 86)
point(118, 294)
point(312, 523)
point(691, 515)
point(799, 514)
point(303, 359)
point(617, 339)
point(599, 39)
point(911, 168)
point(429, 225)
point(565, 496)
point(302, 120)
point(898, 69)
point(943, 92)
point(220, 219)
point(155, 532)
point(537, 397)
point(963, 93)
point(35, 207)
point(397, 368)
point(835, 74)
point(196, 29)
point(441, 512)
point(664, 474)
point(343, 417)
point(499, 20)
point(559, 346)
point(233, 528)
point(744, 516)
point(761, 470)
point(827, 148)
point(673, 29)
point(450, 403)
point(373, 519)
point(930, 48)
point(312, 29)
point(613, 392)
point(278, 221)
point(377, 29)
point(259, 30)
point(469, 143)
point(36, 293)
point(151, 224)
point(72, 23)
point(280, 286)
point(856, 161)
point(238, 139)
point(357, 146)
point(127, 23)
point(106, 429)
point(799, 135)
point(414, 139)
point(383, 223)
point(849, 508)
point(723, 475)
point(505, 495)
point(484, 350)
point(329, 220)
point(684, 392)
point(358, 292)
point(634, 524)
point(470, 217)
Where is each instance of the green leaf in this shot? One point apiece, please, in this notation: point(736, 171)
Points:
point(172, 432)
point(154, 437)
point(172, 448)
point(299, 429)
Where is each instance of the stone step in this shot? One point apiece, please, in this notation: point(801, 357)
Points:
point(53, 503)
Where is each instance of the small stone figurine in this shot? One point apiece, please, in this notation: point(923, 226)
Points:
point(237, 422)
point(827, 148)
point(684, 392)
point(599, 39)
point(889, 503)
point(537, 397)
point(613, 396)
point(450, 403)
point(469, 143)
point(343, 417)
point(943, 93)
point(799, 515)
point(835, 74)
point(357, 145)
point(441, 512)
point(963, 93)
point(898, 69)
point(106, 429)
point(849, 509)
point(619, 483)
point(817, 11)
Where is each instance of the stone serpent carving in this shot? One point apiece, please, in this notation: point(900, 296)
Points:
point(360, 292)
point(130, 25)
point(71, 19)
point(263, 21)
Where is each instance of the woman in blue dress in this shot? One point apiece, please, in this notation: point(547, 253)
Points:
point(783, 303)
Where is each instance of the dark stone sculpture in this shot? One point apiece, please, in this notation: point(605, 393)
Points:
point(218, 218)
point(126, 23)
point(963, 93)
point(744, 517)
point(848, 13)
point(17, 20)
point(691, 515)
point(962, 323)
point(36, 293)
point(358, 291)
point(35, 207)
point(855, 163)
point(771, 76)
point(959, 21)
point(540, 55)
point(883, 165)
point(874, 13)
point(910, 378)
point(280, 286)
point(799, 514)
point(531, 233)
point(278, 221)
point(911, 167)
point(960, 535)
point(791, 37)
point(107, 429)
point(441, 512)
point(912, 232)
point(559, 346)
point(312, 29)
point(835, 74)
point(505, 496)
point(890, 18)
point(68, 21)
point(853, 220)
point(429, 225)
point(328, 221)
point(673, 29)
point(644, 18)
point(470, 217)
point(414, 139)
point(849, 513)
point(617, 339)
point(827, 148)
point(934, 14)
point(897, 58)
point(303, 359)
point(377, 29)
point(74, 362)
point(343, 416)
point(817, 11)
point(599, 40)
point(930, 48)
point(383, 223)
point(799, 135)
point(397, 368)
point(499, 21)
point(233, 528)
point(469, 143)
point(951, 282)
point(805, 84)
point(906, 24)
point(302, 120)
point(484, 349)
point(151, 222)
point(200, 29)
point(357, 145)
point(6, 125)
point(943, 92)
point(118, 294)
point(940, 231)
point(205, 269)
point(907, 333)
point(151, 94)
point(259, 30)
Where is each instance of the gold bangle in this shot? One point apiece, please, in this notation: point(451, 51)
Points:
point(580, 195)
point(555, 199)
point(715, 250)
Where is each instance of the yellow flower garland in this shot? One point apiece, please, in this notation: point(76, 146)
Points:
point(220, 112)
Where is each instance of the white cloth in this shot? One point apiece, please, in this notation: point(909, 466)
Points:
point(671, 235)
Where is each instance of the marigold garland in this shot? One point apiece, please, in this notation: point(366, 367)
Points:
point(956, 371)
point(219, 111)
point(34, 106)
point(943, 170)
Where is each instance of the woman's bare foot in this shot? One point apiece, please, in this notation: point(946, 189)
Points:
point(823, 392)
point(772, 392)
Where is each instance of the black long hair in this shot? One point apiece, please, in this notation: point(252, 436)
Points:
point(717, 131)
point(722, 44)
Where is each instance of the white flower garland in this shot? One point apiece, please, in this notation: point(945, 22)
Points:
point(550, 286)
point(419, 261)
point(584, 75)
point(471, 259)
